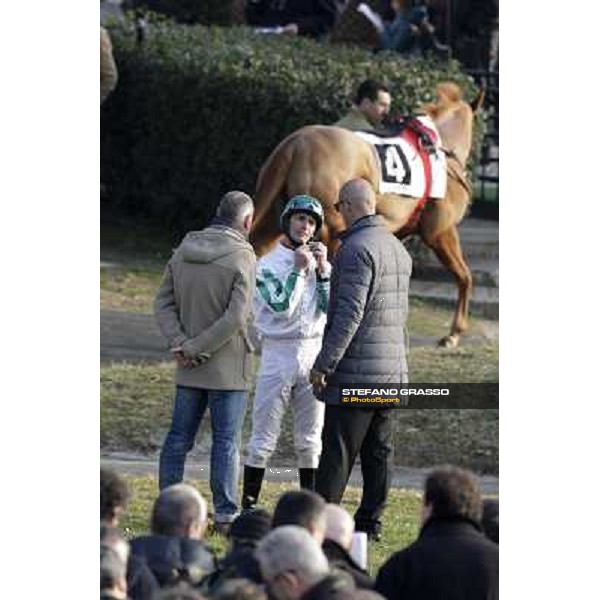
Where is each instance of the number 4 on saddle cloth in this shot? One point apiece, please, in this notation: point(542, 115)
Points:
point(411, 160)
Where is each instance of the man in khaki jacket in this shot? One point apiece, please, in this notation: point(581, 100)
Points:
point(371, 105)
point(202, 308)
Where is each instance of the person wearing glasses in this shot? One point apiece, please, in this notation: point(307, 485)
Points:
point(364, 343)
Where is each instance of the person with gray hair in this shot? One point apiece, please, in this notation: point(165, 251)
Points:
point(338, 541)
point(174, 550)
point(180, 511)
point(202, 308)
point(291, 562)
point(364, 342)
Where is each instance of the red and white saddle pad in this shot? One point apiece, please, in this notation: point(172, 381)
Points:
point(401, 162)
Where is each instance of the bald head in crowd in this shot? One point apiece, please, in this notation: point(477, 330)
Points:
point(339, 526)
point(357, 199)
point(180, 511)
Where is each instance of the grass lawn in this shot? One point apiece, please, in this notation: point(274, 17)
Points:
point(136, 404)
point(133, 269)
point(131, 287)
point(400, 524)
point(136, 400)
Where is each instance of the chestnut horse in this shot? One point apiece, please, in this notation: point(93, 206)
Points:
point(318, 160)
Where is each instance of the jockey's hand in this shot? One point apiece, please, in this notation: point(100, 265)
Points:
point(319, 251)
point(303, 258)
point(318, 380)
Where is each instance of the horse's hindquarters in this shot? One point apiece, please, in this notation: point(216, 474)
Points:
point(396, 210)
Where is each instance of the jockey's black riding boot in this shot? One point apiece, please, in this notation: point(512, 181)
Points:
point(253, 478)
point(307, 479)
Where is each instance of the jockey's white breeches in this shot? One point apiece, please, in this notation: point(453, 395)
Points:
point(283, 379)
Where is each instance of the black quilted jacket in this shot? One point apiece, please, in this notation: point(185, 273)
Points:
point(364, 338)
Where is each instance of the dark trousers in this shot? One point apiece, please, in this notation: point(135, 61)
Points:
point(346, 433)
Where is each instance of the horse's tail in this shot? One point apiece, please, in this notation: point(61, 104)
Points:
point(271, 181)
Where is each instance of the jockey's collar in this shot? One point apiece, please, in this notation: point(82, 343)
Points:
point(291, 243)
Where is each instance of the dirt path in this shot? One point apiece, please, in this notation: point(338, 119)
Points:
point(134, 337)
point(402, 477)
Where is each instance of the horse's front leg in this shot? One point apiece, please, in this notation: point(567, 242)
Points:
point(446, 245)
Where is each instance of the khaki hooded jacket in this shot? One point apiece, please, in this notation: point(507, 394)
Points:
point(204, 305)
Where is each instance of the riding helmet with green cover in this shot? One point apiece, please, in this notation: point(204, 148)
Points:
point(304, 204)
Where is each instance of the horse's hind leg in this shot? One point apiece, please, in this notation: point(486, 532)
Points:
point(447, 248)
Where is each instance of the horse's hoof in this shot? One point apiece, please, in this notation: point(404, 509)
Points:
point(449, 341)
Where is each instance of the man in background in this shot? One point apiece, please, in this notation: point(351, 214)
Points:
point(291, 562)
point(304, 509)
point(174, 550)
point(371, 105)
point(452, 558)
point(337, 544)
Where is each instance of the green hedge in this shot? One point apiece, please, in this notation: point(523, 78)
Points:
point(197, 110)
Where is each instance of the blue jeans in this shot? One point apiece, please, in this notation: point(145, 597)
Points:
point(227, 410)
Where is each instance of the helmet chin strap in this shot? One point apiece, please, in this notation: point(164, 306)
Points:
point(292, 242)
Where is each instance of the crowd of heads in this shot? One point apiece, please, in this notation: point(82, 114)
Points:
point(286, 555)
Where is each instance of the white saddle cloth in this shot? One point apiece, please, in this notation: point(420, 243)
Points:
point(401, 167)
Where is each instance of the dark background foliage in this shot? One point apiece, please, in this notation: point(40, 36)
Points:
point(205, 12)
point(197, 111)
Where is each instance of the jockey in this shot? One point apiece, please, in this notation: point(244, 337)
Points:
point(290, 308)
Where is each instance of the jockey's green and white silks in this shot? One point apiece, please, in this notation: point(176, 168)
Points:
point(288, 305)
